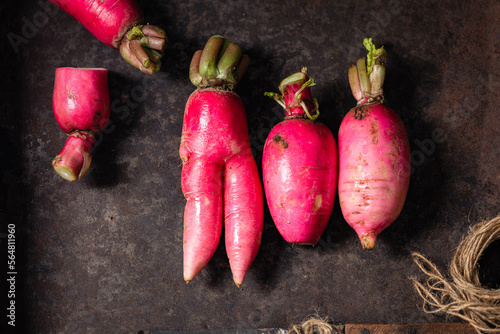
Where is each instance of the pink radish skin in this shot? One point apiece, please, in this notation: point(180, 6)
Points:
point(374, 170)
point(219, 170)
point(219, 173)
point(107, 20)
point(74, 159)
point(243, 212)
point(300, 179)
point(374, 155)
point(81, 99)
point(201, 182)
point(300, 168)
point(82, 109)
point(116, 23)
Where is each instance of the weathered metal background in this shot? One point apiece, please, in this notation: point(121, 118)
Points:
point(104, 254)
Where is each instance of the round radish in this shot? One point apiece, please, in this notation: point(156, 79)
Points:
point(300, 165)
point(374, 153)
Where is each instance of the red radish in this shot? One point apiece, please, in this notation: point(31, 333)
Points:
point(374, 153)
point(117, 23)
point(299, 165)
point(81, 108)
point(219, 173)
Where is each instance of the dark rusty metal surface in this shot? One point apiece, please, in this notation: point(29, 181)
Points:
point(104, 254)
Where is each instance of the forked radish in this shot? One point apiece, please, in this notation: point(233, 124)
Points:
point(219, 173)
point(117, 23)
point(81, 108)
point(374, 153)
point(299, 165)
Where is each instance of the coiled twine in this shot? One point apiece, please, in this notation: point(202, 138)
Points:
point(463, 295)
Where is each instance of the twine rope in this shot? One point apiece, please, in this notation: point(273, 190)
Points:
point(316, 325)
point(463, 296)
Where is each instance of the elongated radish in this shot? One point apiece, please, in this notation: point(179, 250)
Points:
point(81, 108)
point(374, 153)
point(219, 173)
point(117, 23)
point(299, 165)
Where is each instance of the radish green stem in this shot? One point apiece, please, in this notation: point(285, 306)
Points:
point(298, 97)
point(153, 43)
point(139, 52)
point(307, 84)
point(276, 97)
point(366, 78)
point(377, 79)
point(311, 117)
point(295, 96)
point(208, 60)
point(142, 47)
point(220, 63)
point(375, 56)
point(228, 61)
point(354, 83)
point(363, 76)
point(154, 31)
point(295, 78)
point(134, 33)
point(194, 68)
point(241, 68)
point(223, 47)
point(154, 55)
